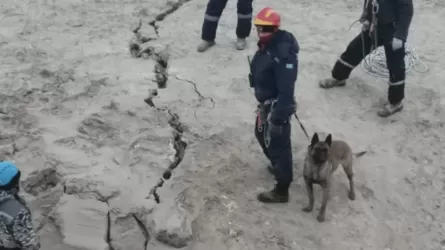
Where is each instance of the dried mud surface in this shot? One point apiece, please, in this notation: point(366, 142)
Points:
point(158, 152)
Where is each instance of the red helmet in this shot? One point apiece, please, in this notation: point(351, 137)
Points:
point(267, 17)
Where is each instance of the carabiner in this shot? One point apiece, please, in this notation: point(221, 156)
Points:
point(375, 7)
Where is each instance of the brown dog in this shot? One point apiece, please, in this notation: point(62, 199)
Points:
point(322, 159)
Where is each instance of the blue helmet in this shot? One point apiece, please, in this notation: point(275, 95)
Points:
point(8, 171)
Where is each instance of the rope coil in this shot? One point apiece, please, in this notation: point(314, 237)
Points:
point(375, 63)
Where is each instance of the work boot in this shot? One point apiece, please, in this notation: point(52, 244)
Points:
point(280, 194)
point(330, 83)
point(241, 43)
point(205, 45)
point(390, 109)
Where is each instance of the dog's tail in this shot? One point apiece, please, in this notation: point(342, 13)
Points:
point(356, 155)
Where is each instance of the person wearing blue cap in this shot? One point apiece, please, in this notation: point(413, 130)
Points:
point(16, 229)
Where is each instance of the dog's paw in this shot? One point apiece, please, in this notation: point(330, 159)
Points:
point(307, 209)
point(320, 217)
point(351, 196)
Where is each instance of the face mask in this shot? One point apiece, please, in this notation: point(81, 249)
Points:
point(265, 37)
point(265, 33)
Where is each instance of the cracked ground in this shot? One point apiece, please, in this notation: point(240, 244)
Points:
point(157, 152)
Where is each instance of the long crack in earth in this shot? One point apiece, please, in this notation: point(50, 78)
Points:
point(179, 146)
point(174, 6)
point(90, 150)
point(61, 190)
point(109, 225)
point(143, 229)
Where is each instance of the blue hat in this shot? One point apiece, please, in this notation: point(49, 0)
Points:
point(8, 171)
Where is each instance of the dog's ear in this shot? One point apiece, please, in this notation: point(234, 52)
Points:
point(314, 139)
point(328, 140)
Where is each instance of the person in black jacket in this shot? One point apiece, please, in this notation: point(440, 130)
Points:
point(274, 70)
point(386, 23)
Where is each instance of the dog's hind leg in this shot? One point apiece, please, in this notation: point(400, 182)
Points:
point(350, 174)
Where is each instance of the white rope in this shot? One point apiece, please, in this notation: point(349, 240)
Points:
point(375, 62)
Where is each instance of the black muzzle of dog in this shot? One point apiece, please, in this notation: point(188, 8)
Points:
point(320, 155)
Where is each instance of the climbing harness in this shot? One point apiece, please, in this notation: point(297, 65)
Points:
point(374, 21)
point(375, 62)
point(262, 120)
point(267, 108)
point(267, 137)
point(259, 124)
point(262, 125)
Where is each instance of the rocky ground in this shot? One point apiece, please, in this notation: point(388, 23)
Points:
point(94, 154)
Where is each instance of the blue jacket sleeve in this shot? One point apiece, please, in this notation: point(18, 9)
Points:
point(286, 72)
point(403, 18)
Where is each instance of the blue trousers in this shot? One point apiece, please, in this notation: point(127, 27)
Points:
point(278, 150)
point(213, 14)
point(360, 47)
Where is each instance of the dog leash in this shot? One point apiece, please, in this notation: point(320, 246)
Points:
point(299, 122)
point(301, 125)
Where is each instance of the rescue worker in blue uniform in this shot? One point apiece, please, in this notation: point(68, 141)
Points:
point(274, 70)
point(16, 229)
point(385, 23)
point(213, 14)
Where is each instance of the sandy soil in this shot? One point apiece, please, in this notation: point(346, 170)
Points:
point(73, 118)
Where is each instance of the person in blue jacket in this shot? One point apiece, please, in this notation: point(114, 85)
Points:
point(16, 229)
point(274, 70)
point(213, 13)
point(384, 23)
